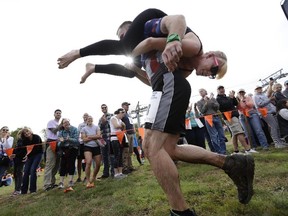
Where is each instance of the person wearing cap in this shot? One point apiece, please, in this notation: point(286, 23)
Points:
point(285, 91)
point(6, 142)
point(264, 103)
point(251, 121)
point(229, 104)
point(130, 131)
point(209, 106)
point(104, 124)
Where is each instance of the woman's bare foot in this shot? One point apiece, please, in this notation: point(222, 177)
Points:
point(90, 68)
point(66, 59)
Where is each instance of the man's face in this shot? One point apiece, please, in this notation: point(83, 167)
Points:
point(122, 31)
point(202, 92)
point(221, 91)
point(104, 109)
point(85, 116)
point(57, 115)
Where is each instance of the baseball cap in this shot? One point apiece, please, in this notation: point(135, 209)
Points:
point(219, 87)
point(258, 86)
point(125, 103)
point(241, 90)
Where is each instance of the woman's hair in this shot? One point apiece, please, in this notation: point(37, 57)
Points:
point(222, 69)
point(21, 132)
point(275, 86)
point(118, 111)
point(61, 124)
point(281, 104)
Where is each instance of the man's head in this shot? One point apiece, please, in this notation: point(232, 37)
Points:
point(57, 114)
point(258, 89)
point(85, 116)
point(125, 106)
point(221, 90)
point(123, 28)
point(202, 92)
point(104, 108)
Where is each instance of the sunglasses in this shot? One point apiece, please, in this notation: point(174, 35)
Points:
point(5, 130)
point(214, 69)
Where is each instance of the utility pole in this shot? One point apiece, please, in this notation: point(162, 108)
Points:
point(138, 111)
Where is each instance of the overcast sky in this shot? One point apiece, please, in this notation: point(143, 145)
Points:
point(253, 34)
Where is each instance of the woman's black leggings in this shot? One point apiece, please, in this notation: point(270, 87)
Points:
point(132, 38)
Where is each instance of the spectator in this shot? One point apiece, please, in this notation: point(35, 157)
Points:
point(247, 107)
point(104, 124)
point(209, 106)
point(19, 152)
point(116, 126)
point(80, 156)
point(285, 91)
point(6, 142)
point(68, 144)
point(89, 134)
point(130, 131)
point(136, 151)
point(6, 180)
point(264, 103)
point(194, 132)
point(229, 104)
point(32, 160)
point(52, 158)
point(282, 116)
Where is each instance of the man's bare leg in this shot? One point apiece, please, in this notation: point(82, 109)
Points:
point(90, 68)
point(163, 166)
point(69, 57)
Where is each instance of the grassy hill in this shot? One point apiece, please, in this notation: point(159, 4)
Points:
point(208, 189)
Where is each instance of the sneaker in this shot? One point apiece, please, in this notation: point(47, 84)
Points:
point(50, 187)
point(240, 168)
point(16, 193)
point(61, 185)
point(281, 145)
point(250, 151)
point(71, 184)
point(120, 176)
point(190, 213)
point(78, 180)
point(103, 177)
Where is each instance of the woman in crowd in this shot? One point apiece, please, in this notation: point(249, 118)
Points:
point(6, 142)
point(89, 134)
point(32, 159)
point(20, 153)
point(282, 117)
point(68, 143)
point(116, 126)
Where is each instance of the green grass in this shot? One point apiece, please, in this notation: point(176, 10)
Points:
point(206, 188)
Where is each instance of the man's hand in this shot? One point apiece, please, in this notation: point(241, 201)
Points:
point(172, 54)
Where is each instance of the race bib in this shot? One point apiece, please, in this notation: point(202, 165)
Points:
point(153, 106)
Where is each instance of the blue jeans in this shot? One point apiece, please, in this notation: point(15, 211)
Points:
point(30, 168)
point(217, 136)
point(255, 124)
point(107, 159)
point(3, 170)
point(249, 134)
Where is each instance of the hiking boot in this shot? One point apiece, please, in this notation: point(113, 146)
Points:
point(240, 168)
point(61, 185)
point(71, 184)
point(186, 213)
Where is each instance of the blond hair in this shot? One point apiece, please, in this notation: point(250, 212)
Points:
point(222, 69)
